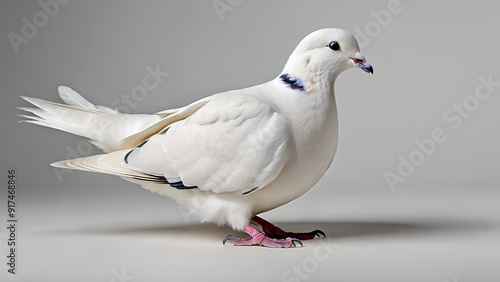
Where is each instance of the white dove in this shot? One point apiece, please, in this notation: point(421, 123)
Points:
point(230, 156)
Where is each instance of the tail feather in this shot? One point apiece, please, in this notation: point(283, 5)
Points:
point(71, 97)
point(28, 117)
point(46, 116)
point(103, 126)
point(111, 163)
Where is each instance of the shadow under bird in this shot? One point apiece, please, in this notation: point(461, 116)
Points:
point(231, 156)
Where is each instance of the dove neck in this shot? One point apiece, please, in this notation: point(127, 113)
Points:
point(312, 113)
point(318, 119)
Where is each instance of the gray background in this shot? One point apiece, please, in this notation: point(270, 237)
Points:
point(441, 224)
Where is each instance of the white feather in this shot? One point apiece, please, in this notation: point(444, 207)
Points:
point(71, 97)
point(105, 129)
point(213, 151)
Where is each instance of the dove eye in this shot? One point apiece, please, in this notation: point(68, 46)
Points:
point(335, 46)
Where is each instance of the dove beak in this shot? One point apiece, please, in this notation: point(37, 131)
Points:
point(360, 61)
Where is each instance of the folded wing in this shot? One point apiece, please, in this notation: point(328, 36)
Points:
point(234, 143)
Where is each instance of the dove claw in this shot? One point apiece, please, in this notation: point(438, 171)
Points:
point(318, 233)
point(229, 237)
point(296, 240)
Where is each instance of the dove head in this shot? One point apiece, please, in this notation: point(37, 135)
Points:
point(320, 57)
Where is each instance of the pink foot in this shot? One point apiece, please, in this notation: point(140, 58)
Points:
point(257, 238)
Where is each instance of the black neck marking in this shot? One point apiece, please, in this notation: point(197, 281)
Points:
point(293, 82)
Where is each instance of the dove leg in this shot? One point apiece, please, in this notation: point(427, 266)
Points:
point(257, 238)
point(274, 231)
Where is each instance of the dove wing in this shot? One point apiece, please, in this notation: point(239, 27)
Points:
point(234, 143)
